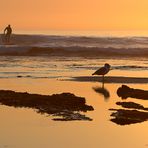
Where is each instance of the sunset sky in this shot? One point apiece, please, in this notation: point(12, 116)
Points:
point(74, 14)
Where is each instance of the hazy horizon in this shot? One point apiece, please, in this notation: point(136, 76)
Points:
point(75, 15)
point(95, 33)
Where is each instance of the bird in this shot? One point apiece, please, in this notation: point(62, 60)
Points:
point(103, 70)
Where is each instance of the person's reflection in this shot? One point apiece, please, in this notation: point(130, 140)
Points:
point(103, 91)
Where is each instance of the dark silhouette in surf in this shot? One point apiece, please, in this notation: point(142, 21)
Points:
point(7, 34)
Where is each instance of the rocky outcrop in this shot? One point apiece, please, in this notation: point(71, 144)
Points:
point(65, 106)
point(126, 117)
point(124, 92)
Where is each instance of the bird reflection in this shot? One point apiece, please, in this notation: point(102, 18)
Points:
point(103, 91)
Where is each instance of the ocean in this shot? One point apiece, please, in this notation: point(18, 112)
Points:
point(49, 64)
point(86, 46)
point(44, 56)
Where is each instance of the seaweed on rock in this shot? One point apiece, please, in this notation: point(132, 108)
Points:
point(65, 105)
point(132, 105)
point(126, 117)
point(124, 92)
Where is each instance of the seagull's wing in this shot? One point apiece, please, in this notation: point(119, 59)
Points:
point(100, 71)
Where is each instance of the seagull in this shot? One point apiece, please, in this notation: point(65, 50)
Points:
point(103, 70)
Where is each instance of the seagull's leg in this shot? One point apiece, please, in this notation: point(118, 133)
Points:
point(103, 79)
point(103, 84)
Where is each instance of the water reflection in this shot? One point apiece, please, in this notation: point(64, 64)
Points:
point(103, 91)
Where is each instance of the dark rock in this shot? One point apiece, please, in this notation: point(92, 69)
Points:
point(124, 92)
point(64, 105)
point(132, 105)
point(19, 76)
point(126, 117)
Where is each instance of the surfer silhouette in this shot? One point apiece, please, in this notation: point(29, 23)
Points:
point(7, 34)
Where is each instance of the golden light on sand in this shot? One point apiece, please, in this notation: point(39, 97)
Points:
point(75, 14)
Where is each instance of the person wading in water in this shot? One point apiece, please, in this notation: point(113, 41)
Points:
point(7, 34)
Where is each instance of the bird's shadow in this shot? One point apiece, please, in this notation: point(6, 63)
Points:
point(103, 91)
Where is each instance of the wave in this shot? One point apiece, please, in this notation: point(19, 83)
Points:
point(39, 45)
point(74, 51)
point(81, 41)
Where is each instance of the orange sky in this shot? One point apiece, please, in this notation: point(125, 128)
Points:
point(74, 14)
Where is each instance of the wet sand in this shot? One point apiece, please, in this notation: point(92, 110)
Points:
point(26, 123)
point(111, 79)
point(40, 131)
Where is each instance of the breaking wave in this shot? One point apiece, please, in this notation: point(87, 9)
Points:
point(41, 45)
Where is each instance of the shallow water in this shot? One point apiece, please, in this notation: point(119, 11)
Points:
point(59, 67)
point(23, 127)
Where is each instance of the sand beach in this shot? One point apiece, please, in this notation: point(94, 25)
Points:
point(46, 75)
